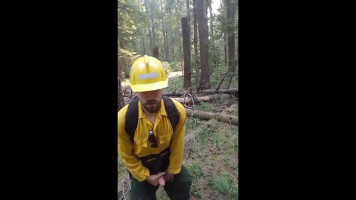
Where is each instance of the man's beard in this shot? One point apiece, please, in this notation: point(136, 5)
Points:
point(152, 106)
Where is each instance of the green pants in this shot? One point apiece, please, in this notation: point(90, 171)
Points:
point(178, 189)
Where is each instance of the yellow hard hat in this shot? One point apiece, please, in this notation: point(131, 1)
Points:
point(147, 74)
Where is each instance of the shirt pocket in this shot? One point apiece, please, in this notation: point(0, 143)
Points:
point(165, 133)
point(141, 137)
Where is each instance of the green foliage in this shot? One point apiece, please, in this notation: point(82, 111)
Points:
point(190, 123)
point(204, 135)
point(205, 106)
point(224, 185)
point(167, 66)
point(195, 170)
point(175, 66)
point(226, 159)
point(130, 17)
point(175, 84)
point(126, 58)
point(195, 191)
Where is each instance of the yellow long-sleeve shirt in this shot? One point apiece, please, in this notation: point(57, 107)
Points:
point(163, 131)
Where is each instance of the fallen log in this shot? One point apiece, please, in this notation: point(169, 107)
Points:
point(208, 98)
point(233, 91)
point(208, 115)
point(188, 99)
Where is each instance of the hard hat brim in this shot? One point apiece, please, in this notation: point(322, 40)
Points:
point(149, 87)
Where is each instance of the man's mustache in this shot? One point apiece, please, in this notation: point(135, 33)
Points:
point(151, 102)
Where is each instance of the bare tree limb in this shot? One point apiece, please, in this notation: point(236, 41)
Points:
point(222, 80)
point(204, 81)
point(232, 74)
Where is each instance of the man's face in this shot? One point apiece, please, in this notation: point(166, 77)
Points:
point(150, 100)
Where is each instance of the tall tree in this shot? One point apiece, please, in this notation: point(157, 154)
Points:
point(154, 39)
point(204, 47)
point(196, 56)
point(149, 30)
point(164, 32)
point(187, 53)
point(231, 33)
point(188, 11)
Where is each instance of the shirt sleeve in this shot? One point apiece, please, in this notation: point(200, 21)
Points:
point(125, 150)
point(177, 142)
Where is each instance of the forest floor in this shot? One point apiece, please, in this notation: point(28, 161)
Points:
point(210, 153)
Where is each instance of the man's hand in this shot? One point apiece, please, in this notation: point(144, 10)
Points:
point(153, 179)
point(168, 176)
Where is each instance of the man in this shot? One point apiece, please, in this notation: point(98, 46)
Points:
point(153, 155)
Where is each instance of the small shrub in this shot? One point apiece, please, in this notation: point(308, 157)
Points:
point(224, 185)
point(175, 66)
point(205, 106)
point(190, 123)
point(195, 191)
point(195, 170)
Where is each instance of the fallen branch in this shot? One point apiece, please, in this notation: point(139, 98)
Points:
point(208, 115)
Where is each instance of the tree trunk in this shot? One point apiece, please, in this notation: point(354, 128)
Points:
point(204, 48)
point(188, 12)
point(153, 26)
point(164, 31)
point(172, 50)
point(196, 56)
point(180, 49)
point(225, 49)
point(231, 34)
point(211, 21)
point(143, 45)
point(187, 53)
point(155, 52)
point(208, 115)
point(149, 30)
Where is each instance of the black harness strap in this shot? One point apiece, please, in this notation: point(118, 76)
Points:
point(172, 111)
point(132, 118)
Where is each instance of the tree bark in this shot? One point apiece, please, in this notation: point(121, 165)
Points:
point(188, 12)
point(225, 50)
point(204, 48)
point(208, 115)
point(211, 20)
point(231, 34)
point(196, 57)
point(164, 31)
point(155, 52)
point(153, 26)
point(187, 53)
